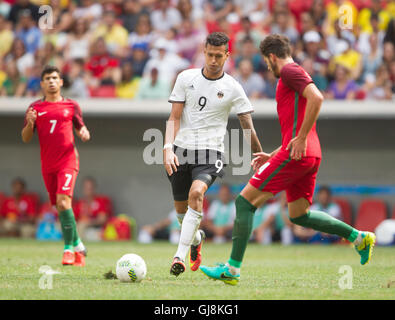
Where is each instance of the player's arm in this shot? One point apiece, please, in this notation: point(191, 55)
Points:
point(28, 129)
point(298, 145)
point(260, 156)
point(170, 160)
point(80, 128)
point(248, 126)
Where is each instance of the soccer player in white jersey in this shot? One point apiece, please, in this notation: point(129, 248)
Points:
point(194, 143)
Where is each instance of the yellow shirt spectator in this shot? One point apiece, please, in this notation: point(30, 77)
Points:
point(127, 90)
point(115, 37)
point(364, 20)
point(350, 59)
point(390, 8)
point(6, 39)
point(332, 9)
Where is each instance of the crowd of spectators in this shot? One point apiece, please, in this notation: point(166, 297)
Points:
point(134, 49)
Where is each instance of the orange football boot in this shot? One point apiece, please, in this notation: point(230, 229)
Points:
point(195, 254)
point(79, 259)
point(68, 258)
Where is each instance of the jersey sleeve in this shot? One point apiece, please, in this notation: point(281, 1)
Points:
point(295, 78)
point(24, 119)
point(240, 103)
point(78, 122)
point(178, 93)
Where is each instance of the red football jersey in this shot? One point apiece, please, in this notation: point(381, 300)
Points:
point(13, 209)
point(291, 107)
point(54, 125)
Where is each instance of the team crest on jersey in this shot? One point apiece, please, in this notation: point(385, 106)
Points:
point(220, 94)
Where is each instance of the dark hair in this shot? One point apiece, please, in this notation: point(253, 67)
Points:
point(49, 70)
point(276, 44)
point(20, 181)
point(325, 189)
point(90, 179)
point(217, 39)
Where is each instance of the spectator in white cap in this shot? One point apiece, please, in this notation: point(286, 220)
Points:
point(313, 51)
point(167, 63)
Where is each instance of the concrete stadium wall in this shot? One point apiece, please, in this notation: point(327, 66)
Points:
point(354, 152)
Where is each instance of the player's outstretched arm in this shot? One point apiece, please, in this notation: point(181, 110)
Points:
point(247, 124)
point(298, 145)
point(28, 129)
point(170, 160)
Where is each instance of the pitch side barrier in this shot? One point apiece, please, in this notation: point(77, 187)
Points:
point(264, 108)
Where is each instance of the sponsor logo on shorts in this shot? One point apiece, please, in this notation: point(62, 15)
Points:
point(66, 188)
point(42, 113)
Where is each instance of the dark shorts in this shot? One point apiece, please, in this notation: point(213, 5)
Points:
point(203, 165)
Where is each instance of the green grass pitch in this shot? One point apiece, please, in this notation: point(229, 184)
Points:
point(269, 272)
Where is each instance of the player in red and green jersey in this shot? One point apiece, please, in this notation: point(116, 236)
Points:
point(53, 117)
point(292, 167)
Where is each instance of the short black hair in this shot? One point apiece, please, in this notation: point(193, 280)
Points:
point(276, 44)
point(19, 180)
point(49, 70)
point(218, 39)
point(326, 189)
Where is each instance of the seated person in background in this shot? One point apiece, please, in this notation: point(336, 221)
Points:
point(221, 215)
point(92, 211)
point(274, 224)
point(48, 225)
point(168, 228)
point(342, 87)
point(326, 204)
point(18, 212)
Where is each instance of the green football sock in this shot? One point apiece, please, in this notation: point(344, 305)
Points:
point(242, 230)
point(323, 222)
point(69, 229)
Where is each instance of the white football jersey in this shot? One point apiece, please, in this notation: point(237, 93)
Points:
point(207, 104)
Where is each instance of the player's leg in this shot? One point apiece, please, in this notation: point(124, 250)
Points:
point(65, 188)
point(300, 197)
point(190, 237)
point(271, 178)
point(67, 223)
point(246, 204)
point(321, 221)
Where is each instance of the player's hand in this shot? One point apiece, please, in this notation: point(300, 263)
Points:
point(31, 116)
point(170, 161)
point(84, 134)
point(298, 147)
point(260, 159)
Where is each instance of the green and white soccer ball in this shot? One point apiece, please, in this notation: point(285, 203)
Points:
point(131, 268)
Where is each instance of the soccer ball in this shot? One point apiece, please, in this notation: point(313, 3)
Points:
point(131, 268)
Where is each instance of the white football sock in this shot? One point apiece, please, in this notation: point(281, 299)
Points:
point(80, 247)
point(189, 226)
point(232, 270)
point(358, 240)
point(197, 238)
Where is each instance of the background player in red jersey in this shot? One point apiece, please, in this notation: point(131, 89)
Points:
point(53, 117)
point(292, 167)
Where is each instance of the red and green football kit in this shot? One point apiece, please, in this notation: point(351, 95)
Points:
point(59, 156)
point(280, 173)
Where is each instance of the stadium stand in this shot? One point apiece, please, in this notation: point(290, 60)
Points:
point(370, 213)
point(101, 36)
